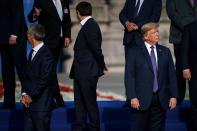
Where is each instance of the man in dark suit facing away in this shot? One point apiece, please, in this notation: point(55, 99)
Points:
point(12, 47)
point(54, 15)
point(150, 81)
point(88, 65)
point(37, 92)
point(189, 67)
point(181, 13)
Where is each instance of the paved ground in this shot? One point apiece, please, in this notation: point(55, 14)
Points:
point(113, 82)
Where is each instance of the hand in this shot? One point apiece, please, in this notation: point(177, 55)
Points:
point(135, 103)
point(37, 11)
point(187, 74)
point(12, 40)
point(26, 100)
point(131, 26)
point(67, 42)
point(106, 70)
point(172, 103)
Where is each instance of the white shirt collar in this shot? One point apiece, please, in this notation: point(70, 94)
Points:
point(37, 47)
point(85, 20)
point(148, 46)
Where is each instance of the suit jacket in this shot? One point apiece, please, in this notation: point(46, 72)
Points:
point(180, 13)
point(188, 49)
point(150, 11)
point(12, 20)
point(39, 80)
point(88, 58)
point(50, 19)
point(139, 76)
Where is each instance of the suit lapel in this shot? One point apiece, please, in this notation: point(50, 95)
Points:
point(141, 8)
point(147, 56)
point(159, 59)
point(37, 54)
point(54, 11)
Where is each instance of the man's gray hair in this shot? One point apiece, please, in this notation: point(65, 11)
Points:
point(37, 31)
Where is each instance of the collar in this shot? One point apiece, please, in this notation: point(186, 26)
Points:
point(148, 46)
point(85, 20)
point(37, 47)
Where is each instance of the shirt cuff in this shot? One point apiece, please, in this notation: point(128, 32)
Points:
point(24, 93)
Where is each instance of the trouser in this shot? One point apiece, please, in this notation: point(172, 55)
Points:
point(13, 56)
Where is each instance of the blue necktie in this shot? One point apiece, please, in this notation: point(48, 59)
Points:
point(136, 8)
point(154, 65)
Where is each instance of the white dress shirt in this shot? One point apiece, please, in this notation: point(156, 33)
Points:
point(148, 46)
point(36, 49)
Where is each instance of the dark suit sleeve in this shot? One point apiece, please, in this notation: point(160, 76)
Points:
point(123, 14)
point(185, 49)
point(156, 13)
point(45, 68)
point(16, 7)
point(172, 76)
point(175, 17)
point(31, 17)
point(67, 21)
point(94, 39)
point(130, 74)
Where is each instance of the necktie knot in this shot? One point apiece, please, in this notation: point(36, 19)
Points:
point(152, 47)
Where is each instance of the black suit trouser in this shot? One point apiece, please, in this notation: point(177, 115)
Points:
point(181, 82)
point(152, 119)
point(86, 104)
point(12, 56)
point(37, 120)
point(56, 53)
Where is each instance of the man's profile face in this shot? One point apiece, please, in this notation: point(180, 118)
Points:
point(30, 38)
point(152, 36)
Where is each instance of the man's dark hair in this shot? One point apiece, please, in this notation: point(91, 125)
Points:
point(84, 8)
point(37, 31)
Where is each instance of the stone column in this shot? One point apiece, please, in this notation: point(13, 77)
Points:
point(112, 38)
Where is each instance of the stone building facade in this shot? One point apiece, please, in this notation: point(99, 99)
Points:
point(106, 13)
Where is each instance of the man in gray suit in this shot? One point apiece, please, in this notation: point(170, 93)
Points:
point(181, 13)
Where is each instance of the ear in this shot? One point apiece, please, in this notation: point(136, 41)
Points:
point(77, 12)
point(145, 37)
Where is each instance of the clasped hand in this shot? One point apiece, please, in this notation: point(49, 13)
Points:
point(26, 100)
